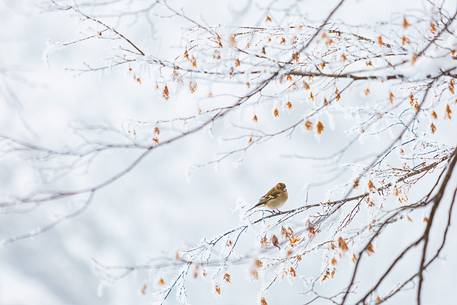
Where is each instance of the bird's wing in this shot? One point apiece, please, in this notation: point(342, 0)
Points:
point(272, 194)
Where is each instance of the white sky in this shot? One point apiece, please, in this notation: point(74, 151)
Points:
point(158, 207)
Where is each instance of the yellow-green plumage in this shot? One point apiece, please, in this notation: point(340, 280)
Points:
point(275, 198)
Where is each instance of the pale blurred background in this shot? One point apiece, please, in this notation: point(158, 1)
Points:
point(165, 204)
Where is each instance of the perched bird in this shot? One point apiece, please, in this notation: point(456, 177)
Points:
point(274, 199)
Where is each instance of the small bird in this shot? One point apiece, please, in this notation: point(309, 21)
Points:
point(274, 199)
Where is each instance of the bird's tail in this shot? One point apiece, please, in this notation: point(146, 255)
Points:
point(257, 205)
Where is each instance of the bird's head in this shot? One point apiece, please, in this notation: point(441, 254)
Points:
point(281, 186)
